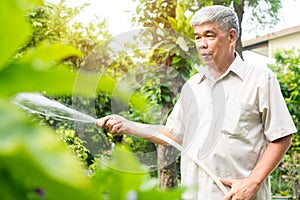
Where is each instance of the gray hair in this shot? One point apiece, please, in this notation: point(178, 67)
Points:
point(225, 17)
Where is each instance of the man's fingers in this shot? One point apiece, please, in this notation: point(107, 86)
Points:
point(116, 128)
point(114, 123)
point(102, 122)
point(227, 182)
point(110, 123)
point(99, 123)
point(228, 197)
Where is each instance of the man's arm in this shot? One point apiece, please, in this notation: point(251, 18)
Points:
point(119, 125)
point(247, 188)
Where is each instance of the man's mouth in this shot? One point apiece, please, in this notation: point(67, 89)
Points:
point(205, 55)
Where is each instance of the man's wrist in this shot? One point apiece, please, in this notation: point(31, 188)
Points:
point(256, 180)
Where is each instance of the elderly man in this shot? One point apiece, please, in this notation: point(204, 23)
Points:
point(231, 115)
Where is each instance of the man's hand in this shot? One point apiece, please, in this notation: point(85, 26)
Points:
point(115, 124)
point(241, 189)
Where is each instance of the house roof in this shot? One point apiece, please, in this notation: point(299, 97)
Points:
point(260, 44)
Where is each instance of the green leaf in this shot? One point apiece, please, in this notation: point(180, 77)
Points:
point(156, 194)
point(138, 101)
point(22, 78)
point(31, 157)
point(14, 29)
point(180, 11)
point(46, 55)
point(125, 161)
point(167, 98)
point(122, 176)
point(237, 1)
point(173, 22)
point(176, 59)
point(35, 74)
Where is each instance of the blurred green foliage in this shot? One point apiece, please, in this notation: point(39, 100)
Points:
point(286, 178)
point(34, 163)
point(288, 73)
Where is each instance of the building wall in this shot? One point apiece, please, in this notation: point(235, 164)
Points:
point(287, 42)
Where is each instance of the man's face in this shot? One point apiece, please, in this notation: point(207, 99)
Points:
point(213, 44)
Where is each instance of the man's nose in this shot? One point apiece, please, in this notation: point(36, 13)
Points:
point(202, 43)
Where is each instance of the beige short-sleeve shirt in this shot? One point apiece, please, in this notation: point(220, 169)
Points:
point(228, 123)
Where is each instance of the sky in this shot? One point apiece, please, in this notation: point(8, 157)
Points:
point(119, 13)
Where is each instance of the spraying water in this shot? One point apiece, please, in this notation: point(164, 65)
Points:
point(38, 104)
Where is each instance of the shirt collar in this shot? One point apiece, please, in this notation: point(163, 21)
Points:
point(237, 67)
point(203, 73)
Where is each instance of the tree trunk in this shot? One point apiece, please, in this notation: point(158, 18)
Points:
point(167, 155)
point(167, 167)
point(239, 9)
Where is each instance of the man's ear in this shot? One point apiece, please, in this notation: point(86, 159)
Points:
point(232, 35)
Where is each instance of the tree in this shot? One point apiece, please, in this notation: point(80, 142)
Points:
point(55, 22)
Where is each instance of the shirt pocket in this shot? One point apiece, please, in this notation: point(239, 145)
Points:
point(239, 118)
